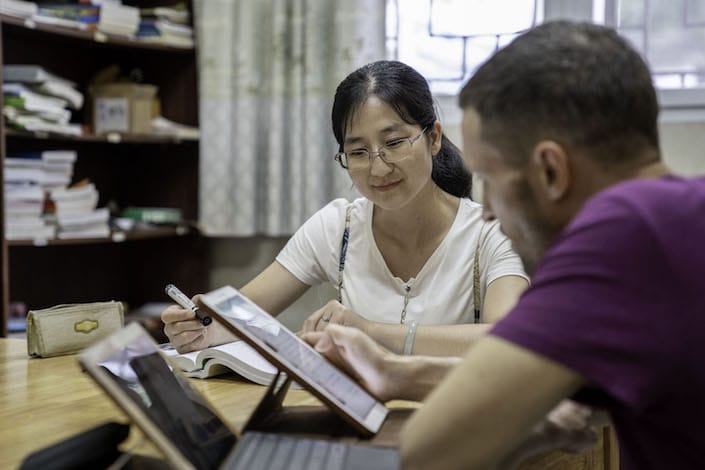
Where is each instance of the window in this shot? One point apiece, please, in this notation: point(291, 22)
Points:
point(668, 33)
point(446, 40)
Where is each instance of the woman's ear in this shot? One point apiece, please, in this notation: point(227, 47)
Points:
point(552, 163)
point(435, 135)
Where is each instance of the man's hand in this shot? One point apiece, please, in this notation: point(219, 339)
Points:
point(359, 355)
point(569, 427)
point(334, 313)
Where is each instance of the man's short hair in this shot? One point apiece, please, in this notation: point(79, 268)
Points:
point(579, 84)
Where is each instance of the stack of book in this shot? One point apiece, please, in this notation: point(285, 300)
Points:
point(75, 213)
point(119, 19)
point(24, 204)
point(18, 8)
point(28, 177)
point(41, 204)
point(36, 100)
point(162, 126)
point(166, 25)
point(75, 15)
point(49, 169)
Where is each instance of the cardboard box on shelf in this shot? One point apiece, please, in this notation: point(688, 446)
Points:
point(122, 107)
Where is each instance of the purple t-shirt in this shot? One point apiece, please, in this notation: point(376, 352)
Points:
point(619, 297)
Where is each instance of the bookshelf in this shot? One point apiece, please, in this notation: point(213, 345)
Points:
point(127, 169)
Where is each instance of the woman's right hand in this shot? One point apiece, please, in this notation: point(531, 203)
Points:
point(185, 332)
point(334, 313)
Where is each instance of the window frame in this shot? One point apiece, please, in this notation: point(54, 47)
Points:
point(677, 104)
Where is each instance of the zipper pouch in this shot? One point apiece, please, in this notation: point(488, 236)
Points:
point(69, 328)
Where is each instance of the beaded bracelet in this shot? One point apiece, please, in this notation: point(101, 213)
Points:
point(409, 342)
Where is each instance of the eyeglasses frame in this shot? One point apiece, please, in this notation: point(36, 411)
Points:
point(340, 156)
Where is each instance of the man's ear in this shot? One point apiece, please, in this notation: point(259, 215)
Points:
point(552, 163)
point(435, 134)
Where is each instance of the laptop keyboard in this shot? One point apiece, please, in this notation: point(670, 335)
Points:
point(257, 450)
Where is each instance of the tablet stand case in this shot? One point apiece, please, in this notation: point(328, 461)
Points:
point(98, 447)
point(317, 421)
point(94, 448)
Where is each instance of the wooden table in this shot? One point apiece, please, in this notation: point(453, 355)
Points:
point(43, 401)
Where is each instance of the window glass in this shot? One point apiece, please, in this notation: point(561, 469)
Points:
point(670, 35)
point(446, 40)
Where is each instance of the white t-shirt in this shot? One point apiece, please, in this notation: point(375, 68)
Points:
point(441, 293)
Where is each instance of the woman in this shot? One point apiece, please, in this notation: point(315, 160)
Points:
point(413, 250)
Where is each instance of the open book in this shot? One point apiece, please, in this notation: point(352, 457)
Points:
point(237, 356)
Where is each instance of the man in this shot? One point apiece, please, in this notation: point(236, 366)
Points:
point(561, 128)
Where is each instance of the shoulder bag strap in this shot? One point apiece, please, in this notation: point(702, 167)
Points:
point(343, 252)
point(476, 281)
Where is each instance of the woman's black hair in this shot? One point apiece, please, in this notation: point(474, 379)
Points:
point(407, 92)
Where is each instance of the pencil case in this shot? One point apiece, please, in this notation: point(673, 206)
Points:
point(69, 328)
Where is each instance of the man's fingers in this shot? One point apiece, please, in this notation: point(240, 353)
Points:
point(311, 337)
point(339, 338)
point(334, 335)
point(334, 341)
point(570, 415)
point(322, 342)
point(341, 335)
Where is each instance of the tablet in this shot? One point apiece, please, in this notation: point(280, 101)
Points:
point(176, 417)
point(296, 358)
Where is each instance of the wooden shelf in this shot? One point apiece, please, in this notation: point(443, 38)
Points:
point(128, 170)
point(93, 36)
point(115, 237)
point(112, 137)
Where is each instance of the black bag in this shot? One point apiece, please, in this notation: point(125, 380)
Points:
point(95, 448)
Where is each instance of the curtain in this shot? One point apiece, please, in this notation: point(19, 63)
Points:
point(268, 70)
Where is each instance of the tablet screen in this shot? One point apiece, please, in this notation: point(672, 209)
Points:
point(141, 376)
point(308, 367)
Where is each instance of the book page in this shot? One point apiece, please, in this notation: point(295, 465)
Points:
point(243, 353)
point(185, 362)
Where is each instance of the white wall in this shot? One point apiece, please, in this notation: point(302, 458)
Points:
point(682, 135)
point(237, 260)
point(683, 146)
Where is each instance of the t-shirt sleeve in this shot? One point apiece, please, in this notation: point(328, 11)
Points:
point(597, 305)
point(497, 255)
point(311, 253)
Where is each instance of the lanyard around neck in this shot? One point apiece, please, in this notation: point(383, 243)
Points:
point(407, 287)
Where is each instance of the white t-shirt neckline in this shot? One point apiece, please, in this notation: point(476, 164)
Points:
point(443, 290)
point(442, 246)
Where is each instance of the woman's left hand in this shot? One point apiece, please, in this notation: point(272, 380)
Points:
point(334, 313)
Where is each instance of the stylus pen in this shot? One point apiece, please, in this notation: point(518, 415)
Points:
point(181, 299)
